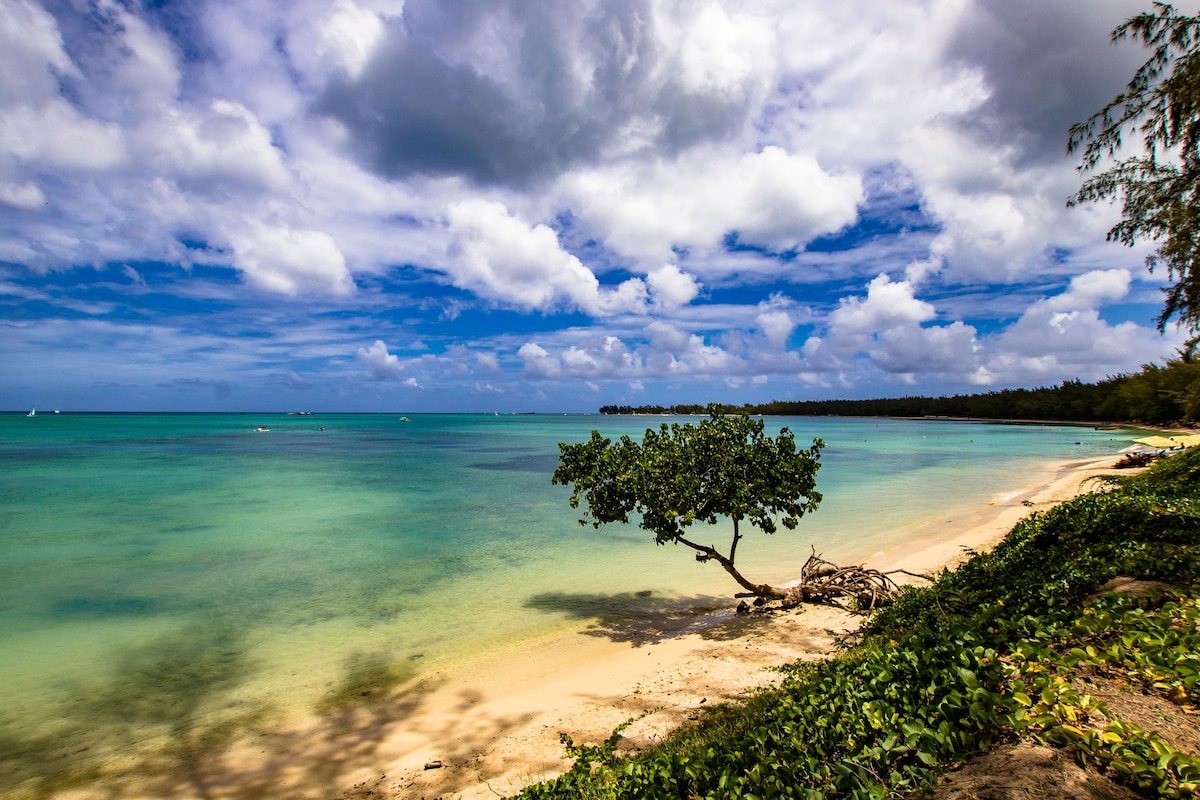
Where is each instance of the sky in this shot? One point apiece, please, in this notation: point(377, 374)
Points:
point(553, 205)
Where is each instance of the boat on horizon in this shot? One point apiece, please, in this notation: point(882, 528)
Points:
point(32, 412)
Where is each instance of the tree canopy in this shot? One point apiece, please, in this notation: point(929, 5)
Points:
point(684, 474)
point(1160, 187)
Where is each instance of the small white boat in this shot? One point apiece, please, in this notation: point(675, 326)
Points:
point(405, 419)
point(32, 412)
point(262, 430)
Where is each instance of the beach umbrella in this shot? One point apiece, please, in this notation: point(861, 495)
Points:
point(1158, 442)
point(1187, 440)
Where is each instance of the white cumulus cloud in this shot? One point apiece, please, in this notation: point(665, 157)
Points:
point(289, 261)
point(670, 286)
point(501, 257)
point(771, 198)
point(380, 364)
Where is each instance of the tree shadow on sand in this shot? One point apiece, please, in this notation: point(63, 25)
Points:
point(176, 717)
point(641, 618)
point(167, 719)
point(148, 716)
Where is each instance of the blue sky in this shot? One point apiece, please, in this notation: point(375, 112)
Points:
point(523, 205)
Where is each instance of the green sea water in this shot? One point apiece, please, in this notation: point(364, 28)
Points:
point(169, 582)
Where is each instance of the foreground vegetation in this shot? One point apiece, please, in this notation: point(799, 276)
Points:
point(993, 652)
point(1158, 395)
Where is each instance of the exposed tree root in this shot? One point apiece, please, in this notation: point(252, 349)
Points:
point(855, 588)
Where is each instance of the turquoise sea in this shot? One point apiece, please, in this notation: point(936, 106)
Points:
point(171, 583)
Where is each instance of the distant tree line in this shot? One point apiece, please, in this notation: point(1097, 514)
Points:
point(1158, 395)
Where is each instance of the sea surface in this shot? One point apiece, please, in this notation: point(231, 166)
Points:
point(170, 583)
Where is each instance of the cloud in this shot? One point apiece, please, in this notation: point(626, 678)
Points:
point(776, 326)
point(993, 172)
point(215, 149)
point(341, 41)
point(487, 362)
point(538, 362)
point(133, 275)
point(287, 261)
point(887, 305)
point(1060, 76)
point(39, 129)
point(670, 286)
point(769, 198)
point(381, 365)
point(1055, 338)
point(512, 92)
point(1092, 289)
point(647, 183)
point(853, 327)
point(605, 356)
point(501, 257)
point(32, 56)
point(947, 349)
point(665, 352)
point(55, 135)
point(667, 338)
point(1065, 336)
point(724, 54)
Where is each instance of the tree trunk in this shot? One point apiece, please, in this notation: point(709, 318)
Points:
point(708, 553)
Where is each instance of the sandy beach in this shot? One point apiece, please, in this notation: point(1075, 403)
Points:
point(494, 727)
point(489, 727)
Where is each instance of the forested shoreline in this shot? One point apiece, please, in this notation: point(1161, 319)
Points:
point(1157, 395)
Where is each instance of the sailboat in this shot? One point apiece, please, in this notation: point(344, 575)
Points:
point(32, 412)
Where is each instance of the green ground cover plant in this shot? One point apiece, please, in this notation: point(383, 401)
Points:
point(992, 652)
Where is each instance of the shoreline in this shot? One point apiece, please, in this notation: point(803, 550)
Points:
point(493, 734)
point(490, 725)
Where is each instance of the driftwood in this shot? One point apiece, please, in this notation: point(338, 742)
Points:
point(854, 588)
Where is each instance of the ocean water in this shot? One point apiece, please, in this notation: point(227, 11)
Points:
point(172, 583)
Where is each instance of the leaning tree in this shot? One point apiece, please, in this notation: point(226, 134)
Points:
point(686, 474)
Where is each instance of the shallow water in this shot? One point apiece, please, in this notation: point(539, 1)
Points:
point(170, 583)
